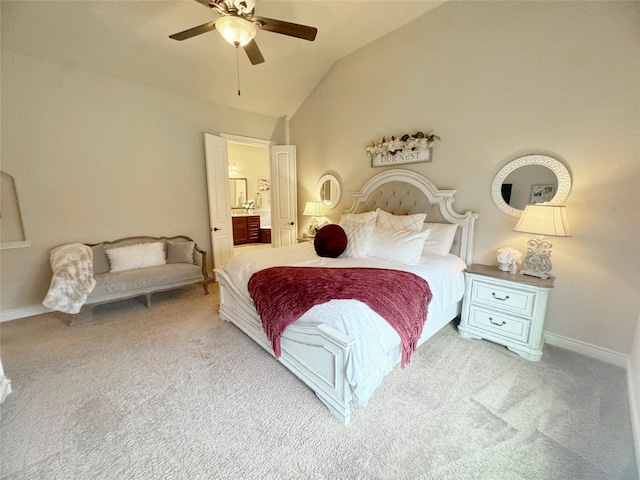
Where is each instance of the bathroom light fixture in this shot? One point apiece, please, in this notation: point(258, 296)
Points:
point(541, 219)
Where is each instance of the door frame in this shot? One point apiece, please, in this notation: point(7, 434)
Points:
point(247, 140)
point(260, 143)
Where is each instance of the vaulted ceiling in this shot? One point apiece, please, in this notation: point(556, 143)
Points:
point(130, 40)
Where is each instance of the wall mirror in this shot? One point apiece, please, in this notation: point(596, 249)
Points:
point(12, 230)
point(329, 191)
point(530, 179)
point(237, 191)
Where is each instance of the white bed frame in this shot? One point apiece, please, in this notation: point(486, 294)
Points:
point(317, 354)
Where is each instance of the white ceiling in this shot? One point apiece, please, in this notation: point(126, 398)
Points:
point(130, 40)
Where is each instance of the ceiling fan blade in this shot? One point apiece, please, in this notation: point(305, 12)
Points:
point(192, 32)
point(286, 28)
point(253, 52)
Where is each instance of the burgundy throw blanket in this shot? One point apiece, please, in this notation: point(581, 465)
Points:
point(283, 294)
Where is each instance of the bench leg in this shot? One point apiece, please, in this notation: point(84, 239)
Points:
point(148, 297)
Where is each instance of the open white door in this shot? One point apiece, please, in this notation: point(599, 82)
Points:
point(283, 196)
point(217, 165)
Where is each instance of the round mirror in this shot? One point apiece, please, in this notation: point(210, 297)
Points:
point(329, 191)
point(530, 179)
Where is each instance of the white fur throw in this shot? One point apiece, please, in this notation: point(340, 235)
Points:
point(136, 256)
point(72, 280)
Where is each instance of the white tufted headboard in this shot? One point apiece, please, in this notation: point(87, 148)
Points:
point(404, 192)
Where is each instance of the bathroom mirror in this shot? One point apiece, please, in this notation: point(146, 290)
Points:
point(237, 192)
point(329, 190)
point(530, 179)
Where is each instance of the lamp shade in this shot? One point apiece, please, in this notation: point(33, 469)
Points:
point(544, 219)
point(313, 209)
point(236, 30)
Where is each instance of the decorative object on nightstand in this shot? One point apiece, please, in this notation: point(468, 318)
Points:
point(541, 220)
point(505, 308)
point(508, 259)
point(313, 210)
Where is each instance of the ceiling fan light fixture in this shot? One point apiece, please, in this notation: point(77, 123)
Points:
point(236, 30)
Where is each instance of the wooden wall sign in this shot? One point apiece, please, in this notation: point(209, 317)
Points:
point(414, 148)
point(401, 158)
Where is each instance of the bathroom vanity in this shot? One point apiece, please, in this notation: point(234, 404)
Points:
point(246, 228)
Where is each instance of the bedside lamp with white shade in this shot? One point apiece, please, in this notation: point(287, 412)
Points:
point(541, 219)
point(314, 210)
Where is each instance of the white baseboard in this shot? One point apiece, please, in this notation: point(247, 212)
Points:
point(23, 312)
point(587, 349)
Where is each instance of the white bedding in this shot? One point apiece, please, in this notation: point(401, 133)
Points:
point(376, 350)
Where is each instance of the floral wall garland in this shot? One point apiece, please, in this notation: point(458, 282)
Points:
point(406, 143)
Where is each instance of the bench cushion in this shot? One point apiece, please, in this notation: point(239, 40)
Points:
point(142, 280)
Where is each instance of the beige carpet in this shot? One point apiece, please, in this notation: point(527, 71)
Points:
point(175, 393)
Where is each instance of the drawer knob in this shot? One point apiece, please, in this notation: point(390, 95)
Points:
point(498, 298)
point(498, 324)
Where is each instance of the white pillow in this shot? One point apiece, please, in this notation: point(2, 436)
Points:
point(440, 238)
point(358, 238)
point(401, 222)
point(136, 256)
point(366, 217)
point(400, 246)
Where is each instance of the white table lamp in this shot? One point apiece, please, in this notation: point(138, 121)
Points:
point(313, 209)
point(541, 220)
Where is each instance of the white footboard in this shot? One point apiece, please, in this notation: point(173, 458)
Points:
point(316, 354)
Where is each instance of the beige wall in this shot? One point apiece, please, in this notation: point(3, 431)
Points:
point(496, 80)
point(96, 158)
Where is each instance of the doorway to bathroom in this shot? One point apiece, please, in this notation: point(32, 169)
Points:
point(279, 181)
point(250, 195)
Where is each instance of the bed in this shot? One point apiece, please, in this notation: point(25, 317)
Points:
point(342, 349)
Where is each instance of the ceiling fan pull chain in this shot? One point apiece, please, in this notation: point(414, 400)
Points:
point(238, 67)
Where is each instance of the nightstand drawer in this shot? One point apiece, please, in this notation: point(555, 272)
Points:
point(497, 296)
point(506, 326)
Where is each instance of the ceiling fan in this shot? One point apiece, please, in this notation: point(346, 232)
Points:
point(238, 24)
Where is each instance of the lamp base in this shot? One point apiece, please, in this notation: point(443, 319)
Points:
point(542, 275)
point(537, 261)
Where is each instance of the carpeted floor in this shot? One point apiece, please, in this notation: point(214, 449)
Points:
point(175, 393)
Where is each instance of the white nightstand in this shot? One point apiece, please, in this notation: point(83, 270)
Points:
point(505, 308)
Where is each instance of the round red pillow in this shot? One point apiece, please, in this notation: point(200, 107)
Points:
point(330, 241)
